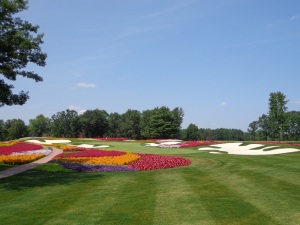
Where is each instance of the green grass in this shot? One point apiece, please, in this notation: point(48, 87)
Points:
point(214, 189)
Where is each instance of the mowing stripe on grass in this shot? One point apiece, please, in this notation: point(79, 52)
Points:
point(42, 197)
point(92, 198)
point(224, 204)
point(271, 196)
point(177, 202)
point(134, 201)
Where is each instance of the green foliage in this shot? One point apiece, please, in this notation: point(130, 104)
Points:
point(293, 121)
point(2, 132)
point(130, 124)
point(14, 129)
point(114, 121)
point(222, 134)
point(277, 114)
point(19, 45)
point(65, 124)
point(192, 132)
point(94, 123)
point(40, 126)
point(278, 124)
point(161, 123)
point(253, 127)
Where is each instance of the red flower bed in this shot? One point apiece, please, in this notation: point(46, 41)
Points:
point(19, 147)
point(111, 139)
point(196, 143)
point(91, 153)
point(270, 142)
point(156, 162)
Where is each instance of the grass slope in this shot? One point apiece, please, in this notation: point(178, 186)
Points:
point(214, 189)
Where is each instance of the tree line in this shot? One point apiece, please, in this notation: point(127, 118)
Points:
point(278, 124)
point(157, 123)
point(160, 122)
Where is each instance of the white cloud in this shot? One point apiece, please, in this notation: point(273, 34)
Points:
point(85, 85)
point(77, 109)
point(223, 104)
point(295, 17)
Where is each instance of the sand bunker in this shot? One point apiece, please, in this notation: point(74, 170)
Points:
point(163, 144)
point(236, 149)
point(66, 141)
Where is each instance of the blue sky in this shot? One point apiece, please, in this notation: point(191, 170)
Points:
point(217, 59)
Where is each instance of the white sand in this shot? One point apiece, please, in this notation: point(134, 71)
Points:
point(151, 145)
point(236, 149)
point(49, 141)
point(168, 144)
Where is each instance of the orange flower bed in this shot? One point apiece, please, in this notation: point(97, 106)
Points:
point(109, 160)
point(20, 159)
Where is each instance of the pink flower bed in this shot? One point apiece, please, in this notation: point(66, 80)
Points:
point(188, 144)
point(270, 142)
point(19, 147)
point(91, 153)
point(156, 162)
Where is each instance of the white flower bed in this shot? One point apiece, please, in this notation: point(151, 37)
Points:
point(34, 152)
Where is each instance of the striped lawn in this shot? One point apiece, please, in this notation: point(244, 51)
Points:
point(214, 189)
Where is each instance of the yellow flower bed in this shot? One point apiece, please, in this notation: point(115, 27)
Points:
point(109, 160)
point(8, 143)
point(20, 159)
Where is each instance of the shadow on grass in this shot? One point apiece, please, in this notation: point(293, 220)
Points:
point(5, 166)
point(49, 174)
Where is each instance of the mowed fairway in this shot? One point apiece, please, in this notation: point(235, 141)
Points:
point(214, 189)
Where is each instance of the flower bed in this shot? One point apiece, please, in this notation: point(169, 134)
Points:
point(94, 168)
point(34, 152)
point(21, 152)
point(108, 160)
point(20, 159)
point(19, 147)
point(156, 162)
point(8, 143)
point(72, 148)
point(91, 153)
point(188, 144)
point(105, 161)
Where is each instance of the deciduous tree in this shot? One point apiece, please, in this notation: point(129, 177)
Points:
point(15, 129)
point(277, 114)
point(94, 123)
point(65, 124)
point(40, 126)
point(19, 45)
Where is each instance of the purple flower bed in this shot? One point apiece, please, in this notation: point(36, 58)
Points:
point(97, 168)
